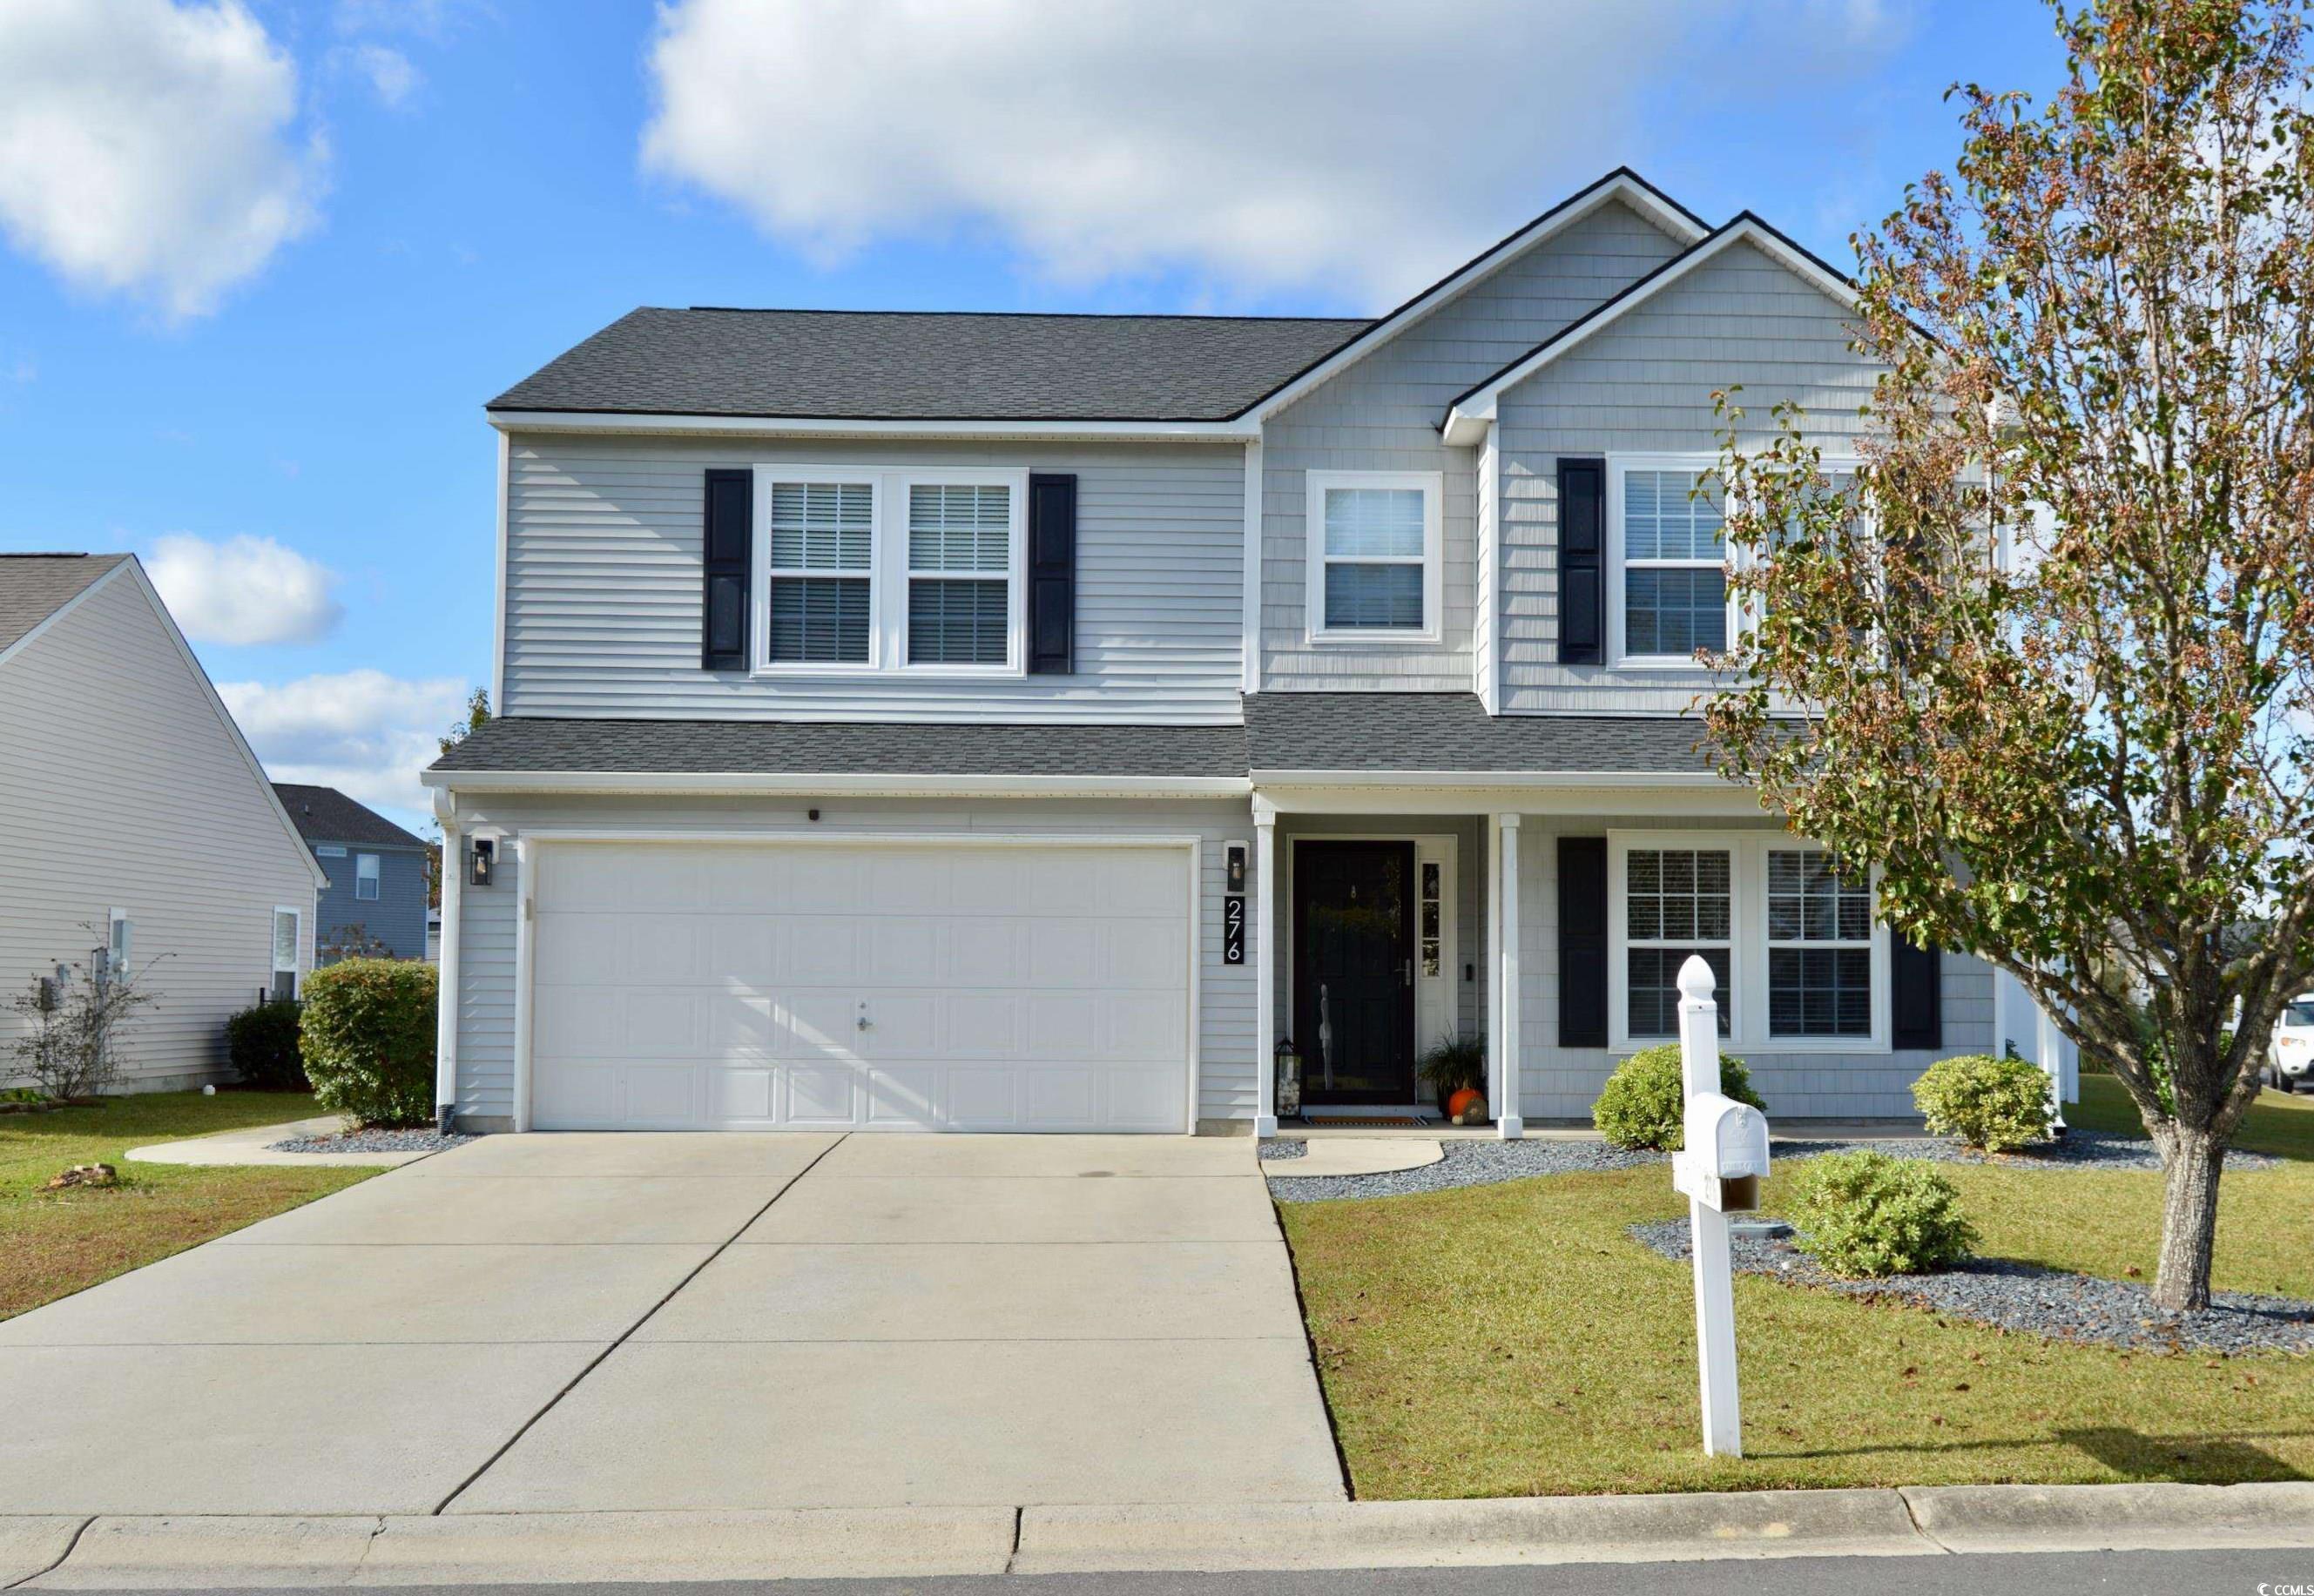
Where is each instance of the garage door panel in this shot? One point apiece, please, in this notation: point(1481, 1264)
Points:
point(723, 985)
point(821, 1095)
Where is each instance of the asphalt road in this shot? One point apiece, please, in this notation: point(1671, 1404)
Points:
point(2045, 1574)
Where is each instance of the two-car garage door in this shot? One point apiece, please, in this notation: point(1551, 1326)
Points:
point(926, 987)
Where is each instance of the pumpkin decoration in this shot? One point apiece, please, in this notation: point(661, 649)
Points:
point(1459, 1106)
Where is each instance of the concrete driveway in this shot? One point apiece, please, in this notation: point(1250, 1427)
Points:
point(638, 1321)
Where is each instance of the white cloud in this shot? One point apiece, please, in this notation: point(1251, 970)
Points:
point(243, 590)
point(146, 148)
point(1361, 143)
point(391, 76)
point(363, 732)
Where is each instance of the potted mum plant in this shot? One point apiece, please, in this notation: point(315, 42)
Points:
point(1455, 1069)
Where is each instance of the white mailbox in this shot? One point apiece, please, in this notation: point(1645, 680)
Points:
point(1727, 1154)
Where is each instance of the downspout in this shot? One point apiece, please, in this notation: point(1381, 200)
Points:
point(446, 1002)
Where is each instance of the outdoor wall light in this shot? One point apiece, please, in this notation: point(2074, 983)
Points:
point(482, 861)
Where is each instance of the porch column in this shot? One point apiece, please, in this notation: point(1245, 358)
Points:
point(1265, 970)
point(445, 1004)
point(1504, 1085)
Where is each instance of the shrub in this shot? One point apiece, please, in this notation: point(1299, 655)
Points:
point(368, 1039)
point(1992, 1103)
point(1642, 1104)
point(262, 1042)
point(1863, 1214)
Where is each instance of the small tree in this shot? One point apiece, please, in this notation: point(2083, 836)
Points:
point(73, 1021)
point(2052, 648)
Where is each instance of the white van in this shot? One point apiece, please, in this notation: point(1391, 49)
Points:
point(2290, 1061)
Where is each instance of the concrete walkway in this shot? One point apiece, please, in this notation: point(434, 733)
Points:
point(561, 1323)
point(254, 1144)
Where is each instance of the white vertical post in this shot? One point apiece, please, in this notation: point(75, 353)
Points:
point(1493, 963)
point(446, 970)
point(1265, 971)
point(1503, 1091)
point(1715, 1285)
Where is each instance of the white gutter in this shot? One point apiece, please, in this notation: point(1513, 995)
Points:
point(805, 784)
point(1544, 780)
point(582, 422)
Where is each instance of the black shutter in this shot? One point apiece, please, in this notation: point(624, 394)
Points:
point(1582, 941)
point(1582, 535)
point(1917, 1007)
point(1052, 574)
point(728, 533)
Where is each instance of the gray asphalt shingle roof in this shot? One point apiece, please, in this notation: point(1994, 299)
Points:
point(1374, 732)
point(827, 748)
point(929, 365)
point(1452, 731)
point(325, 815)
point(35, 586)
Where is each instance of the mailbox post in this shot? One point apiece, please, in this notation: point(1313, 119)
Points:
point(1720, 1168)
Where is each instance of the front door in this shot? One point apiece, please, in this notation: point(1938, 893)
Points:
point(1354, 970)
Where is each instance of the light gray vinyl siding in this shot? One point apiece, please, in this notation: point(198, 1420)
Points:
point(1224, 1029)
point(603, 584)
point(1644, 384)
point(122, 788)
point(1383, 414)
point(1558, 1083)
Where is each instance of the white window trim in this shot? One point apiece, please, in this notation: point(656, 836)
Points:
point(296, 967)
point(377, 877)
point(114, 919)
point(1747, 954)
point(1433, 485)
point(887, 574)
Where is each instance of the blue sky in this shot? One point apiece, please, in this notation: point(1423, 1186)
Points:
point(260, 265)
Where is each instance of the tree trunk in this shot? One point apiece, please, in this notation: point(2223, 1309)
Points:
point(2193, 1161)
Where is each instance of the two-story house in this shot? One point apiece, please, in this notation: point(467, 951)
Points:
point(374, 904)
point(1025, 722)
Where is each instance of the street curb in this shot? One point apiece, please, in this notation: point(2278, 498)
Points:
point(187, 1552)
point(203, 1553)
point(1857, 1523)
point(2114, 1518)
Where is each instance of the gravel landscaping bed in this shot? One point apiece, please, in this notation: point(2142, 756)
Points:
point(1467, 1163)
point(1285, 1147)
point(2076, 1149)
point(423, 1139)
point(2050, 1303)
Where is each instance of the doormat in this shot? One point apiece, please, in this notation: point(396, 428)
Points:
point(1390, 1122)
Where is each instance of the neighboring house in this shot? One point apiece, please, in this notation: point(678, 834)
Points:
point(134, 817)
point(376, 901)
point(1028, 721)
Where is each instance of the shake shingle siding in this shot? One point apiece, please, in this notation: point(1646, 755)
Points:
point(1644, 384)
point(603, 579)
point(1383, 414)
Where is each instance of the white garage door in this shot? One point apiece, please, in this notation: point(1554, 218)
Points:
point(875, 986)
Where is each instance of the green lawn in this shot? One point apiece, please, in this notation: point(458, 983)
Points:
point(55, 1243)
point(1512, 1340)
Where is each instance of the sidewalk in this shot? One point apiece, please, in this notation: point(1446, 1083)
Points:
point(212, 1553)
point(254, 1144)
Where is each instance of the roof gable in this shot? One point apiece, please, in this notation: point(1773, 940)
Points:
point(35, 589)
point(325, 815)
point(1473, 411)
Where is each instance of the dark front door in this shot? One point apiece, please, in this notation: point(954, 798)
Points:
point(1353, 970)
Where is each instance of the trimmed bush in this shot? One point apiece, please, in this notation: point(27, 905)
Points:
point(1994, 1103)
point(1642, 1106)
point(1863, 1214)
point(262, 1042)
point(368, 1040)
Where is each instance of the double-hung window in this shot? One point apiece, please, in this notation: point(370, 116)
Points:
point(819, 592)
point(289, 936)
point(1671, 554)
point(1374, 540)
point(1678, 902)
point(1798, 962)
point(365, 878)
point(1819, 948)
point(890, 569)
point(960, 573)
